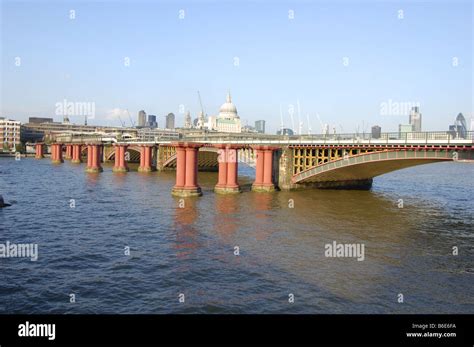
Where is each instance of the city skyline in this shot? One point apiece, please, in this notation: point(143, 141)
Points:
point(281, 56)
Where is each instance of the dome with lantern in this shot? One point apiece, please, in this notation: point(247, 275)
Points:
point(228, 109)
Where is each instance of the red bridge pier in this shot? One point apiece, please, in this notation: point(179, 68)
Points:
point(39, 150)
point(264, 171)
point(93, 158)
point(68, 155)
point(145, 158)
point(120, 162)
point(76, 154)
point(228, 168)
point(57, 153)
point(186, 171)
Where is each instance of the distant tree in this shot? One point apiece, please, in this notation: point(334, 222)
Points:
point(20, 148)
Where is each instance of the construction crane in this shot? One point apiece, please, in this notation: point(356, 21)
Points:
point(281, 121)
point(200, 102)
point(309, 124)
point(324, 127)
point(300, 122)
point(131, 119)
point(120, 119)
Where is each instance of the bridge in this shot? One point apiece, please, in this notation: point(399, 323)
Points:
point(280, 162)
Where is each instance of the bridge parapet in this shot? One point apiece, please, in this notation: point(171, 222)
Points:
point(412, 138)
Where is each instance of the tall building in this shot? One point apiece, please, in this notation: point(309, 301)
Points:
point(260, 126)
point(151, 123)
point(141, 118)
point(459, 128)
point(286, 132)
point(188, 123)
point(9, 134)
point(376, 132)
point(415, 118)
point(170, 121)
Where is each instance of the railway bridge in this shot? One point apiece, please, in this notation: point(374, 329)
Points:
point(281, 162)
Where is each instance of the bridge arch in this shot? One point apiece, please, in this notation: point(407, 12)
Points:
point(366, 166)
point(134, 152)
point(208, 158)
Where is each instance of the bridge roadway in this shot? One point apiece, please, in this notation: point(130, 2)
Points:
point(281, 162)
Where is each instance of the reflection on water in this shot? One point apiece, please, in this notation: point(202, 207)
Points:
point(189, 248)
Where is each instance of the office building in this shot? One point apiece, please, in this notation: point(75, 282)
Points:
point(9, 134)
point(170, 121)
point(151, 123)
point(141, 118)
point(286, 132)
point(260, 126)
point(376, 132)
point(415, 118)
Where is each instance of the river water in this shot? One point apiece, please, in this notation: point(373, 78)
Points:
point(83, 223)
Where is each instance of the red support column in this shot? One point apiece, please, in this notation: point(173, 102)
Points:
point(145, 159)
point(186, 171)
point(228, 168)
point(68, 155)
point(123, 161)
point(142, 158)
point(93, 158)
point(76, 154)
point(268, 168)
point(222, 175)
point(191, 164)
point(259, 169)
point(89, 155)
point(39, 151)
point(232, 167)
point(180, 167)
point(120, 164)
point(264, 171)
point(100, 150)
point(52, 149)
point(56, 153)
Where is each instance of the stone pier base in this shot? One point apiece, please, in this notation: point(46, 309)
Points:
point(227, 190)
point(263, 188)
point(120, 169)
point(186, 192)
point(144, 169)
point(94, 169)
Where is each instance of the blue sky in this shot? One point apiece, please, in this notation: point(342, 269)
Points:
point(281, 60)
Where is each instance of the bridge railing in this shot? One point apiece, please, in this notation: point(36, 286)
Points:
point(430, 137)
